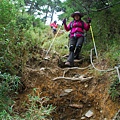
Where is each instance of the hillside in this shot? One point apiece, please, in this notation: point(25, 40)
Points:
point(35, 84)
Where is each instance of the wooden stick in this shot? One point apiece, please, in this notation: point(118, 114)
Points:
point(81, 78)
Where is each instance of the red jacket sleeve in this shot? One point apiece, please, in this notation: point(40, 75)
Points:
point(67, 27)
point(86, 26)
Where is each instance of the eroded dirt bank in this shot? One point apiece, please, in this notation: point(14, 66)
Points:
point(74, 99)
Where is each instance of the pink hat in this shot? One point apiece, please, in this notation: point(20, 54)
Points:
point(76, 13)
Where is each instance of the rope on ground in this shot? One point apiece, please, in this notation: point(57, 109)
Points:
point(108, 70)
point(117, 68)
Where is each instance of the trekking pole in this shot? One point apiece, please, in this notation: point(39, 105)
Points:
point(52, 42)
point(93, 41)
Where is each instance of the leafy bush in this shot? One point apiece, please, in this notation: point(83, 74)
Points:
point(8, 85)
point(114, 90)
point(36, 110)
point(16, 39)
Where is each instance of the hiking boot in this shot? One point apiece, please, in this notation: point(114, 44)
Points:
point(67, 63)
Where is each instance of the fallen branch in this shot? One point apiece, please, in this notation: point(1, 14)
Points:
point(81, 78)
point(72, 68)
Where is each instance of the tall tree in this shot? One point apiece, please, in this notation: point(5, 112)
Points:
point(46, 8)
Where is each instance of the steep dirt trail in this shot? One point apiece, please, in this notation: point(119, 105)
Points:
point(73, 99)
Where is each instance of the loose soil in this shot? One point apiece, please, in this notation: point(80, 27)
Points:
point(72, 98)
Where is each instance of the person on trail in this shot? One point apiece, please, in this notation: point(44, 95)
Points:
point(54, 27)
point(76, 28)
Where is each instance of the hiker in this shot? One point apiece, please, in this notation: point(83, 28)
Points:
point(54, 27)
point(76, 28)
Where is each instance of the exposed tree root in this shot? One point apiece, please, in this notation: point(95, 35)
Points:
point(82, 78)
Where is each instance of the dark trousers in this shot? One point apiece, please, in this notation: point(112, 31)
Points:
point(75, 46)
point(54, 30)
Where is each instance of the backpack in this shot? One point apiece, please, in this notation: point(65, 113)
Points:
point(71, 24)
point(85, 33)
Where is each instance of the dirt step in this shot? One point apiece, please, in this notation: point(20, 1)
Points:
point(77, 63)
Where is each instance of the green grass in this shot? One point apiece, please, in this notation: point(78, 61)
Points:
point(59, 44)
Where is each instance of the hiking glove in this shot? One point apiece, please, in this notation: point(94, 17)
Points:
point(64, 21)
point(89, 20)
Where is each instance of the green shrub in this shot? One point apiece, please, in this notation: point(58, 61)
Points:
point(36, 110)
point(16, 39)
point(114, 90)
point(8, 86)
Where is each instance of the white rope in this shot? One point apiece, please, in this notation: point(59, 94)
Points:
point(108, 70)
point(117, 68)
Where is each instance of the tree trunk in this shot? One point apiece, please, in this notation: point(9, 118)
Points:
point(30, 9)
point(46, 14)
point(52, 13)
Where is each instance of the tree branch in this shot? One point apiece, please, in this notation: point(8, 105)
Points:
point(105, 7)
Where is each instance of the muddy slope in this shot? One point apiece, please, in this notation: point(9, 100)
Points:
point(77, 94)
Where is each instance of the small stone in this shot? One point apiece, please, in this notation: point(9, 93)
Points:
point(47, 58)
point(82, 118)
point(89, 105)
point(42, 69)
point(86, 85)
point(89, 114)
point(101, 111)
point(63, 94)
point(76, 106)
point(105, 118)
point(68, 90)
point(77, 76)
